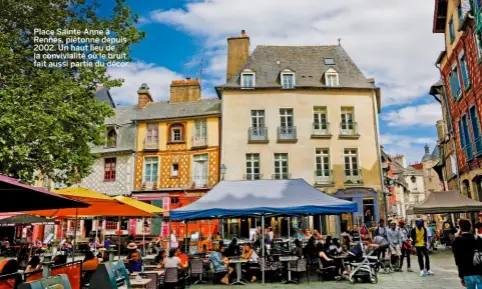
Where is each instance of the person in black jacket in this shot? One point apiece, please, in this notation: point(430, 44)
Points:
point(420, 241)
point(464, 247)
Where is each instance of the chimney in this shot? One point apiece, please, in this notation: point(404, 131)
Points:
point(238, 53)
point(185, 90)
point(144, 96)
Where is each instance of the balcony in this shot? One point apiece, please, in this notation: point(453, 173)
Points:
point(281, 176)
point(151, 144)
point(287, 134)
point(321, 130)
point(323, 177)
point(199, 141)
point(349, 130)
point(252, 177)
point(353, 177)
point(258, 135)
point(200, 181)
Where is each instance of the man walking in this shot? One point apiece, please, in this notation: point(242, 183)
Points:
point(406, 245)
point(464, 247)
point(419, 236)
point(382, 232)
point(394, 240)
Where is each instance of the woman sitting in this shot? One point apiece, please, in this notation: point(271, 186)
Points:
point(160, 257)
point(312, 252)
point(33, 264)
point(252, 257)
point(10, 267)
point(172, 261)
point(90, 262)
point(221, 269)
point(182, 256)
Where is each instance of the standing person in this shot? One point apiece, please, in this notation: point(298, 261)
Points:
point(371, 230)
point(464, 248)
point(430, 236)
point(406, 245)
point(364, 232)
point(382, 232)
point(394, 241)
point(419, 236)
point(355, 234)
point(174, 243)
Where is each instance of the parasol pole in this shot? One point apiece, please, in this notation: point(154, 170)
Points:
point(289, 233)
point(185, 237)
point(144, 237)
point(119, 239)
point(262, 246)
point(75, 233)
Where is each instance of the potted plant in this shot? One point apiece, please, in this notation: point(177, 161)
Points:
point(154, 186)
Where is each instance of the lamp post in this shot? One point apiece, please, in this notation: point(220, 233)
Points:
point(223, 171)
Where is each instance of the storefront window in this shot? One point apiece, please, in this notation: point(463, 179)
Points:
point(368, 211)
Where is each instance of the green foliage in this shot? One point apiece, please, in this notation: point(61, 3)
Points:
point(49, 117)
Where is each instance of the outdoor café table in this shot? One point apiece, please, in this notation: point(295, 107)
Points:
point(238, 263)
point(288, 259)
point(142, 283)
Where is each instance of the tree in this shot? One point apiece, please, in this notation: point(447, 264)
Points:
point(49, 118)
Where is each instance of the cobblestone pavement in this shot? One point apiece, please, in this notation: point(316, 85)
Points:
point(442, 264)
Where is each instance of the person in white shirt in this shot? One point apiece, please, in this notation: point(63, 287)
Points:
point(172, 261)
point(252, 257)
point(174, 243)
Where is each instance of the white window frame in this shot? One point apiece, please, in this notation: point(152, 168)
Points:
point(284, 115)
point(200, 128)
point(350, 155)
point(174, 173)
point(173, 134)
point(150, 183)
point(280, 162)
point(345, 126)
point(285, 73)
point(318, 111)
point(203, 179)
point(245, 73)
point(326, 174)
point(255, 115)
point(453, 163)
point(253, 159)
point(151, 127)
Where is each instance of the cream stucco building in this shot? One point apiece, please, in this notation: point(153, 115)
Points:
point(302, 112)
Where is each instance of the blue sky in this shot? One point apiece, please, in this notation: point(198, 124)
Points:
point(391, 41)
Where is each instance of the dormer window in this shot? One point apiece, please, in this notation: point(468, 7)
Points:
point(247, 79)
point(111, 138)
point(177, 133)
point(332, 78)
point(288, 79)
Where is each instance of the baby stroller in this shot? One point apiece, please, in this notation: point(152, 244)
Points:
point(383, 261)
point(364, 268)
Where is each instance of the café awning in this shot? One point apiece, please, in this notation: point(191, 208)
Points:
point(21, 197)
point(100, 205)
point(15, 219)
point(139, 205)
point(263, 197)
point(447, 202)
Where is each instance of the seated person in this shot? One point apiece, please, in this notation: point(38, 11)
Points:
point(298, 250)
point(33, 264)
point(182, 256)
point(60, 259)
point(10, 267)
point(90, 262)
point(220, 265)
point(160, 256)
point(251, 256)
point(107, 243)
point(172, 261)
point(134, 263)
point(131, 248)
point(233, 249)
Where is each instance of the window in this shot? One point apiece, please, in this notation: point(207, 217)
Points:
point(111, 138)
point(347, 118)
point(332, 79)
point(351, 162)
point(252, 167)
point(464, 70)
point(151, 165)
point(281, 170)
point(200, 170)
point(200, 131)
point(287, 80)
point(257, 118)
point(467, 139)
point(453, 163)
point(177, 133)
point(451, 30)
point(247, 80)
point(455, 82)
point(329, 61)
point(319, 117)
point(109, 169)
point(174, 170)
point(474, 120)
point(174, 200)
point(286, 117)
point(478, 43)
point(152, 133)
point(322, 163)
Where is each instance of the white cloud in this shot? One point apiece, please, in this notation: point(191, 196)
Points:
point(157, 78)
point(411, 147)
point(421, 115)
point(390, 40)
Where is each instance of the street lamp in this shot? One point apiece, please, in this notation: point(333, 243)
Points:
point(223, 171)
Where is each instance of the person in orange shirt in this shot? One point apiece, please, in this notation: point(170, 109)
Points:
point(10, 267)
point(90, 262)
point(182, 256)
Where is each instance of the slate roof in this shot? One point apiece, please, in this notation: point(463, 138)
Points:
point(307, 61)
point(165, 110)
point(126, 130)
point(103, 94)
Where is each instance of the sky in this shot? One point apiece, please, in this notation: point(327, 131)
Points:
point(391, 41)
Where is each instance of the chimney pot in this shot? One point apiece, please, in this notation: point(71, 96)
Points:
point(144, 96)
point(185, 90)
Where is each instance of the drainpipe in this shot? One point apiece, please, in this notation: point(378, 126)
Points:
point(447, 107)
point(379, 153)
